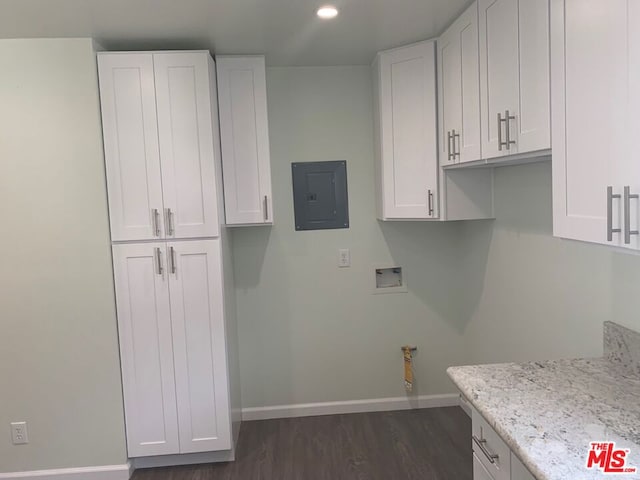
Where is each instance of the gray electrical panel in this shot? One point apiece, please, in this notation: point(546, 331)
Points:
point(320, 197)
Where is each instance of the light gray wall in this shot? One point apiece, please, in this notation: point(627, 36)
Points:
point(309, 331)
point(59, 366)
point(483, 291)
point(536, 296)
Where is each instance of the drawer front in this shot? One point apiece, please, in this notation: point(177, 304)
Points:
point(518, 470)
point(479, 472)
point(490, 449)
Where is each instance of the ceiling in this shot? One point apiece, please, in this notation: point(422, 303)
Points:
point(287, 31)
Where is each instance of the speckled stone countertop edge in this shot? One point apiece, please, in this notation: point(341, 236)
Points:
point(508, 439)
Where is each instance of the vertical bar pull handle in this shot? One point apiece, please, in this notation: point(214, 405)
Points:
point(627, 214)
point(172, 260)
point(155, 223)
point(266, 208)
point(507, 119)
point(454, 136)
point(450, 155)
point(500, 142)
point(610, 229)
point(159, 261)
point(169, 222)
point(430, 202)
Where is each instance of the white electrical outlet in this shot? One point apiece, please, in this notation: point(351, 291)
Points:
point(19, 434)
point(344, 258)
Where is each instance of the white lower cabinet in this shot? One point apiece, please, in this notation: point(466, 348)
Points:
point(173, 351)
point(492, 457)
point(479, 472)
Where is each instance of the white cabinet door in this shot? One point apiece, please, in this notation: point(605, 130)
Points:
point(449, 93)
point(195, 277)
point(244, 132)
point(407, 123)
point(186, 144)
point(144, 327)
point(628, 173)
point(499, 67)
point(128, 100)
point(534, 121)
point(459, 91)
point(514, 76)
point(590, 84)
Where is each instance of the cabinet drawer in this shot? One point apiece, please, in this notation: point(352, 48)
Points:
point(489, 448)
point(479, 472)
point(518, 470)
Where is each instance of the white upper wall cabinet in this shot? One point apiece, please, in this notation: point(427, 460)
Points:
point(459, 90)
point(186, 144)
point(514, 76)
point(406, 132)
point(595, 74)
point(128, 98)
point(244, 132)
point(159, 145)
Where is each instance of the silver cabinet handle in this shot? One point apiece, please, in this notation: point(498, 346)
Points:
point(266, 209)
point(169, 221)
point(508, 119)
point(454, 135)
point(627, 214)
point(155, 223)
point(610, 229)
point(482, 445)
point(159, 261)
point(500, 142)
point(450, 155)
point(430, 201)
point(172, 260)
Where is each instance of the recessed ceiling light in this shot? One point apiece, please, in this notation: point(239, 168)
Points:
point(327, 11)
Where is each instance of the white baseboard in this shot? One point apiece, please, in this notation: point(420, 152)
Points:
point(108, 472)
point(183, 459)
point(350, 406)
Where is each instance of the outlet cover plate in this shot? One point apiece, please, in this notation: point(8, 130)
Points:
point(19, 435)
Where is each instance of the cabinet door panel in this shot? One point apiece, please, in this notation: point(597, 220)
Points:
point(534, 122)
point(450, 93)
point(408, 132)
point(589, 63)
point(186, 144)
point(499, 72)
point(199, 343)
point(629, 173)
point(128, 100)
point(244, 134)
point(470, 141)
point(144, 327)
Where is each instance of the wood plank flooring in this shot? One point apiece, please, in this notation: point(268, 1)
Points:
point(429, 444)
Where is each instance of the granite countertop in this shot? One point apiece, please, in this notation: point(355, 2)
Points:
point(548, 412)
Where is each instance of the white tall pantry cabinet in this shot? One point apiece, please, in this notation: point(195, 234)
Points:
point(170, 253)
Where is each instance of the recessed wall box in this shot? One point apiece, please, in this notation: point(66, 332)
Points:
point(320, 197)
point(389, 280)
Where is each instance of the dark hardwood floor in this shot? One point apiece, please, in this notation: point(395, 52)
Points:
point(429, 444)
